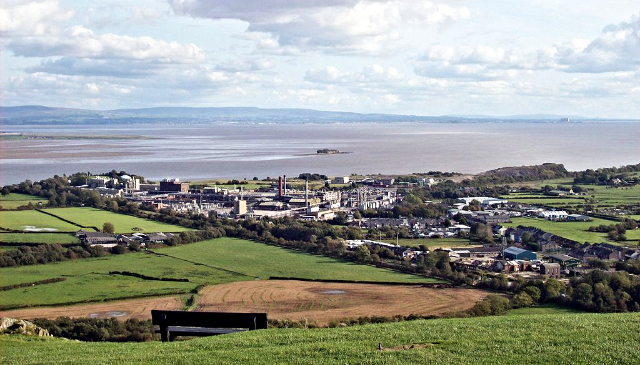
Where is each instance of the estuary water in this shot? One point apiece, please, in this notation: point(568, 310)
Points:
point(199, 151)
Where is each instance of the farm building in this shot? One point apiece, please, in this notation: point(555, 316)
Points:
point(96, 238)
point(578, 218)
point(551, 269)
point(553, 215)
point(564, 260)
point(517, 253)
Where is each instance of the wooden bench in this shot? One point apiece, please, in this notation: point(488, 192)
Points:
point(181, 323)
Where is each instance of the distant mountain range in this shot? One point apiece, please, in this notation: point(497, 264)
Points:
point(36, 114)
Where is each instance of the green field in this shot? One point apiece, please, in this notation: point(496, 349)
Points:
point(531, 339)
point(542, 309)
point(576, 231)
point(88, 279)
point(38, 238)
point(433, 242)
point(90, 217)
point(21, 220)
point(599, 196)
point(261, 260)
point(15, 200)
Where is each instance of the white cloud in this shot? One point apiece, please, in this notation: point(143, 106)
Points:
point(333, 26)
point(79, 41)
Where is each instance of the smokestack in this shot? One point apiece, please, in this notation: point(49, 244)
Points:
point(285, 184)
point(279, 186)
point(306, 194)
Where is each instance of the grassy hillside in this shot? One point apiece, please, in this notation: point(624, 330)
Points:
point(88, 279)
point(35, 221)
point(261, 260)
point(90, 217)
point(531, 339)
point(61, 238)
point(576, 231)
point(15, 200)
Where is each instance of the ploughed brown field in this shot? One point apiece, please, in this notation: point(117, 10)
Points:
point(318, 302)
point(125, 309)
point(321, 302)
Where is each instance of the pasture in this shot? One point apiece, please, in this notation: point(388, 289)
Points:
point(61, 238)
point(322, 303)
point(264, 261)
point(218, 261)
point(542, 309)
point(34, 221)
point(559, 339)
point(88, 280)
point(576, 231)
point(91, 217)
point(15, 200)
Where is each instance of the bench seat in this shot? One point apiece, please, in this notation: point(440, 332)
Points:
point(201, 331)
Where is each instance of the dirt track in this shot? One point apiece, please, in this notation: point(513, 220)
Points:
point(134, 308)
point(323, 302)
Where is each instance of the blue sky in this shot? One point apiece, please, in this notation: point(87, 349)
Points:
point(405, 56)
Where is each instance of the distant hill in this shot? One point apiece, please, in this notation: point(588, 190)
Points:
point(30, 114)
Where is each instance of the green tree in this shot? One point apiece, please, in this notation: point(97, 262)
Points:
point(363, 254)
point(582, 294)
point(533, 292)
point(108, 228)
point(521, 300)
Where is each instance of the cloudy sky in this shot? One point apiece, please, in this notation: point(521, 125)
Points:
point(492, 57)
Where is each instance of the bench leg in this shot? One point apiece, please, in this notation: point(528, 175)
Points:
point(164, 334)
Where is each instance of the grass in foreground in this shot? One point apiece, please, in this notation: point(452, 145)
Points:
point(90, 217)
point(538, 339)
point(261, 260)
point(61, 238)
point(22, 220)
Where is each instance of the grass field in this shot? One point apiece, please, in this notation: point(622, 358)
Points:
point(432, 243)
point(90, 217)
point(534, 339)
point(38, 238)
point(599, 196)
point(576, 231)
point(88, 279)
point(15, 200)
point(542, 309)
point(33, 220)
point(263, 261)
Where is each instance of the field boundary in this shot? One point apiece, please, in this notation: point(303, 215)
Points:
point(67, 221)
point(340, 281)
point(201, 264)
point(65, 304)
point(147, 277)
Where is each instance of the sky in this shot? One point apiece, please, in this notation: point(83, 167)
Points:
point(457, 57)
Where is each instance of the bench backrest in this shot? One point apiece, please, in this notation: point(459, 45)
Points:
point(252, 321)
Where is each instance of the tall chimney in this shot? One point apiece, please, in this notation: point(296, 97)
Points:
point(279, 186)
point(285, 184)
point(306, 194)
